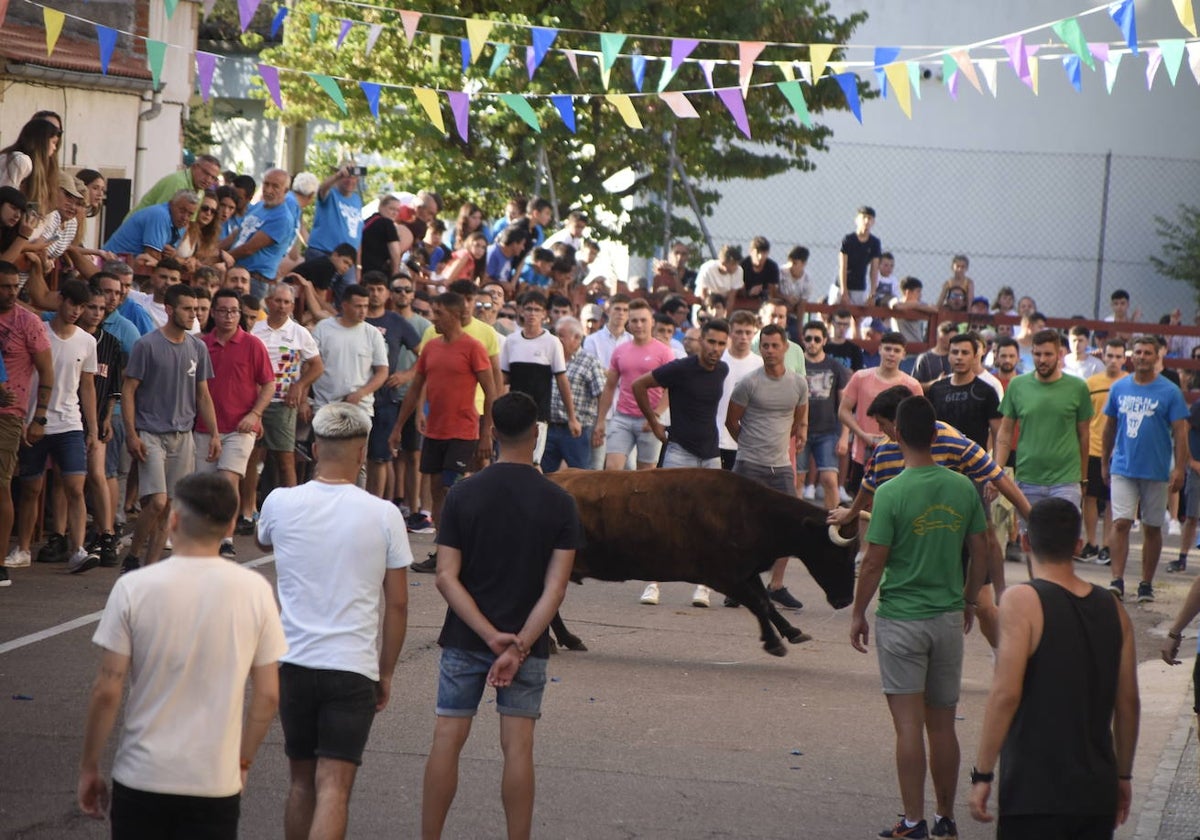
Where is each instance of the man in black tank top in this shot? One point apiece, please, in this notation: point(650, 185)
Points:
point(1062, 715)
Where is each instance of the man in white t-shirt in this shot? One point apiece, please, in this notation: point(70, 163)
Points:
point(191, 629)
point(722, 276)
point(742, 361)
point(167, 273)
point(336, 548)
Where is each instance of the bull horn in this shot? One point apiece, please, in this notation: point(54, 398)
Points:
point(837, 539)
point(865, 514)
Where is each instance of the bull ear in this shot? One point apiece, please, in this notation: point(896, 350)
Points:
point(837, 539)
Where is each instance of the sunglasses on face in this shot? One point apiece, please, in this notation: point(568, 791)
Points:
point(402, 290)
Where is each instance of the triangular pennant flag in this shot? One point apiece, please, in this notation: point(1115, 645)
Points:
point(477, 33)
point(1070, 33)
point(732, 98)
point(520, 105)
point(277, 22)
point(624, 106)
point(952, 84)
point(156, 53)
point(949, 68)
point(795, 97)
point(373, 34)
point(314, 20)
point(410, 20)
point(819, 53)
point(429, 101)
point(1034, 64)
point(54, 20)
point(963, 59)
point(206, 7)
point(680, 105)
point(639, 70)
point(170, 7)
point(464, 50)
point(1193, 54)
point(848, 82)
point(330, 87)
point(806, 70)
point(605, 73)
point(987, 66)
point(566, 110)
point(610, 48)
point(1123, 15)
point(529, 65)
point(1072, 65)
point(707, 65)
point(108, 40)
point(371, 92)
point(206, 63)
point(347, 25)
point(788, 69)
point(897, 75)
point(246, 10)
point(681, 48)
point(914, 77)
point(1172, 55)
point(1099, 50)
point(1153, 60)
point(1017, 58)
point(748, 52)
point(435, 49)
point(573, 60)
point(883, 57)
point(460, 106)
point(543, 38)
point(1186, 15)
point(499, 57)
point(270, 78)
point(1110, 69)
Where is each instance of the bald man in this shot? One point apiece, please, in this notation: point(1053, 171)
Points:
point(266, 232)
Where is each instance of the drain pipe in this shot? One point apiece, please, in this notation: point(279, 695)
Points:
point(143, 117)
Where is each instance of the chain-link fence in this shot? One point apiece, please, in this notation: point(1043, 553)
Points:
point(1066, 229)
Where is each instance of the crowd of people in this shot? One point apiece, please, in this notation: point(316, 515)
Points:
point(216, 331)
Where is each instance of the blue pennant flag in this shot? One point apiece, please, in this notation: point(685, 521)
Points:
point(371, 91)
point(883, 57)
point(542, 39)
point(108, 40)
point(848, 82)
point(566, 110)
point(277, 21)
point(1123, 15)
point(639, 70)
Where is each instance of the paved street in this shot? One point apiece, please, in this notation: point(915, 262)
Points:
point(674, 725)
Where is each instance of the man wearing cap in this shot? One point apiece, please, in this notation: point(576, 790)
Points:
point(592, 317)
point(202, 175)
point(59, 230)
point(875, 331)
point(338, 218)
point(858, 260)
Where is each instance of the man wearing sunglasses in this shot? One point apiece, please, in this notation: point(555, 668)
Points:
point(203, 175)
point(408, 476)
point(826, 378)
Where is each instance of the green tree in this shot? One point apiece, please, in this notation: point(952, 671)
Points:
point(502, 155)
point(1180, 258)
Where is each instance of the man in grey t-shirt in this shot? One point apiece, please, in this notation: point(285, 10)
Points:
point(354, 352)
point(166, 385)
point(768, 409)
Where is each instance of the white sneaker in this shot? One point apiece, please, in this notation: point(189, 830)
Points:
point(844, 496)
point(650, 595)
point(1173, 528)
point(700, 596)
point(168, 545)
point(1136, 526)
point(810, 492)
point(17, 559)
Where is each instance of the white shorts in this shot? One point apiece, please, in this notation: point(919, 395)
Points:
point(539, 448)
point(235, 452)
point(1128, 492)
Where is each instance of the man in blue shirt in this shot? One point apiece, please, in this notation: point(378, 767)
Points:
point(129, 308)
point(508, 244)
point(338, 217)
point(265, 234)
point(120, 327)
point(1146, 415)
point(150, 230)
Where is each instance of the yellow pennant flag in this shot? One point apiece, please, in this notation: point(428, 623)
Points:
point(477, 34)
point(624, 106)
point(435, 49)
point(819, 53)
point(898, 82)
point(788, 71)
point(429, 101)
point(54, 25)
point(1187, 17)
point(837, 67)
point(1033, 73)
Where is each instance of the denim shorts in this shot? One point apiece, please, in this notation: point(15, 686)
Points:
point(676, 456)
point(115, 447)
point(823, 450)
point(625, 432)
point(324, 713)
point(68, 450)
point(1036, 492)
point(462, 676)
point(386, 413)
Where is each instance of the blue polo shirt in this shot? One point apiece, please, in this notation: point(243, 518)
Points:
point(150, 227)
point(498, 265)
point(276, 222)
point(338, 219)
point(123, 330)
point(133, 312)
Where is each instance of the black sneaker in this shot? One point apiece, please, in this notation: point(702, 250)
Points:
point(1104, 558)
point(427, 566)
point(1117, 588)
point(228, 551)
point(4, 581)
point(245, 527)
point(730, 602)
point(784, 598)
point(1145, 593)
point(915, 832)
point(130, 564)
point(1013, 553)
point(1089, 551)
point(419, 523)
point(944, 829)
point(1177, 566)
point(106, 547)
point(54, 551)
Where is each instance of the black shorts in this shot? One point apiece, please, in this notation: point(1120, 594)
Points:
point(138, 814)
point(1056, 827)
point(854, 477)
point(447, 456)
point(325, 714)
point(410, 440)
point(1096, 488)
point(728, 456)
point(1196, 686)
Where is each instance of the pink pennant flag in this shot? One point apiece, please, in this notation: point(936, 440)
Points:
point(1099, 51)
point(460, 105)
point(732, 97)
point(707, 65)
point(681, 48)
point(748, 51)
point(573, 60)
point(410, 20)
point(963, 59)
point(345, 30)
point(270, 77)
point(206, 63)
point(1015, 47)
point(679, 104)
point(1193, 55)
point(1153, 60)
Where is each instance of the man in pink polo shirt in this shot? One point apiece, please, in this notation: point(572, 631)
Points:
point(242, 386)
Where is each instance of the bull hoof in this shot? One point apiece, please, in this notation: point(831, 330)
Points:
point(796, 636)
point(775, 648)
point(572, 643)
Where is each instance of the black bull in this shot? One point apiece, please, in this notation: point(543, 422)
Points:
point(706, 527)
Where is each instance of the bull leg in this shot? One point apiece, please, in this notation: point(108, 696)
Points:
point(564, 636)
point(758, 603)
point(793, 634)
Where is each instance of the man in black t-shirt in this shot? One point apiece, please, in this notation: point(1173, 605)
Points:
point(964, 400)
point(506, 544)
point(760, 273)
point(381, 246)
point(858, 260)
point(840, 346)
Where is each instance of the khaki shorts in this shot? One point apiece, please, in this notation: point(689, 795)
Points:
point(169, 457)
point(922, 657)
point(279, 428)
point(235, 452)
point(11, 431)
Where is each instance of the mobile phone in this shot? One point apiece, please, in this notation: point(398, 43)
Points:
point(358, 171)
point(32, 207)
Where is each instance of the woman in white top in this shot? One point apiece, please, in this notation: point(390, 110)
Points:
point(30, 165)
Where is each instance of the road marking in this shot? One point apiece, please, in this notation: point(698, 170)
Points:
point(93, 618)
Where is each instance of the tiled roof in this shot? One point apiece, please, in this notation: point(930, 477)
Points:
point(27, 45)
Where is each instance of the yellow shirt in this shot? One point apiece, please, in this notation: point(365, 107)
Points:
point(482, 332)
point(1098, 387)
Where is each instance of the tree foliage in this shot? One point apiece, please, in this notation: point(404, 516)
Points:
point(502, 154)
point(1180, 258)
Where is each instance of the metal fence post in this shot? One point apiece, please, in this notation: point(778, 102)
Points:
point(1103, 233)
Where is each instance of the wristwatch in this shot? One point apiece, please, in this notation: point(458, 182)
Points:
point(977, 777)
point(41, 421)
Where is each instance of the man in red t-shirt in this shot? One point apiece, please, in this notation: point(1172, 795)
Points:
point(448, 370)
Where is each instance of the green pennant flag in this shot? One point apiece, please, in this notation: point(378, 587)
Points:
point(1070, 33)
point(949, 68)
point(156, 51)
point(665, 78)
point(501, 53)
point(610, 48)
point(170, 6)
point(313, 20)
point(330, 86)
point(523, 109)
point(795, 97)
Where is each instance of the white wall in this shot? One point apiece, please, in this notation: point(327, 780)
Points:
point(162, 137)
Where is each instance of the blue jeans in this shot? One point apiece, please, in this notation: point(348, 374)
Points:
point(462, 676)
point(560, 446)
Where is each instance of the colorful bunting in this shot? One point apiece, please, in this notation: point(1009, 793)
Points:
point(681, 48)
point(410, 20)
point(610, 48)
point(639, 70)
point(949, 68)
point(460, 106)
point(819, 53)
point(53, 20)
point(897, 76)
point(573, 60)
point(543, 39)
point(566, 110)
point(795, 97)
point(156, 53)
point(732, 99)
point(330, 86)
point(1193, 53)
point(429, 101)
point(347, 25)
point(1099, 51)
point(1033, 65)
point(206, 63)
point(1072, 65)
point(464, 49)
point(987, 66)
point(624, 106)
point(499, 57)
point(788, 69)
point(1070, 33)
point(170, 6)
point(477, 33)
point(107, 37)
point(1186, 15)
point(848, 82)
point(1110, 69)
point(1123, 15)
point(914, 77)
point(680, 105)
point(373, 34)
point(963, 59)
point(708, 65)
point(748, 52)
point(520, 105)
point(246, 10)
point(1153, 60)
point(270, 79)
point(435, 49)
point(314, 20)
point(1017, 57)
point(277, 22)
point(1172, 56)
point(883, 57)
point(952, 84)
point(206, 7)
point(371, 92)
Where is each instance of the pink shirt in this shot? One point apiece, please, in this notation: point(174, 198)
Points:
point(21, 336)
point(631, 361)
point(865, 385)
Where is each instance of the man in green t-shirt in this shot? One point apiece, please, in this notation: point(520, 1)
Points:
point(920, 522)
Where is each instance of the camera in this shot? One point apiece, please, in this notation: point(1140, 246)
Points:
point(357, 171)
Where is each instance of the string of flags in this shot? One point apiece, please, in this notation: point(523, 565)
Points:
point(898, 78)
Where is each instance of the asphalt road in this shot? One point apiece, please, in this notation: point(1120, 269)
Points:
point(675, 724)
